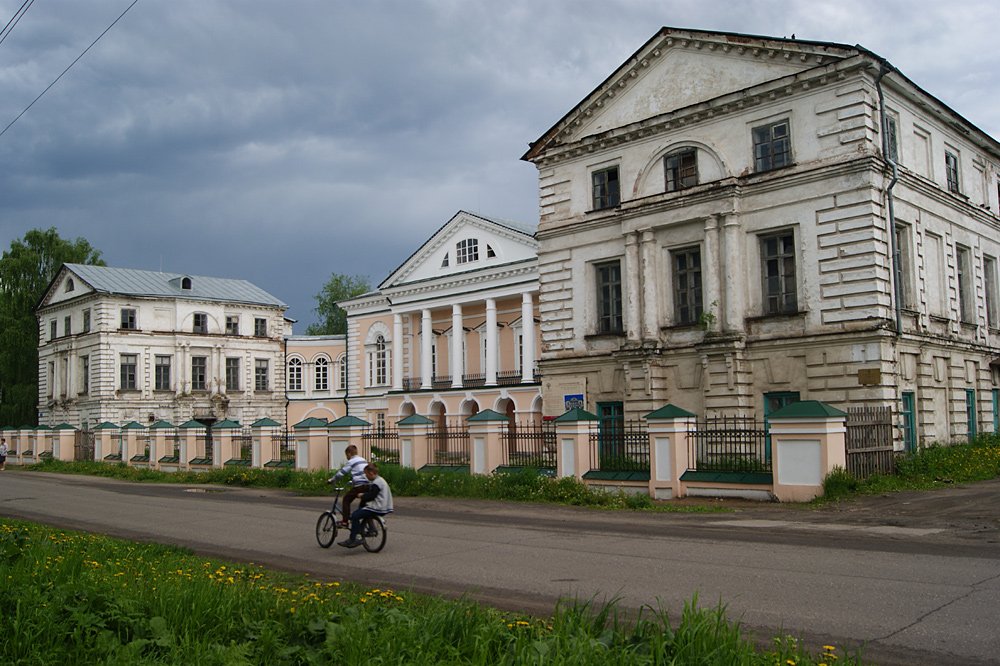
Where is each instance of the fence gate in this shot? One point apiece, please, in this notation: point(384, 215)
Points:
point(869, 441)
point(83, 446)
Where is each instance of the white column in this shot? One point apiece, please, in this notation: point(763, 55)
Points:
point(735, 285)
point(491, 342)
point(711, 268)
point(397, 352)
point(527, 338)
point(457, 343)
point(649, 279)
point(630, 276)
point(426, 341)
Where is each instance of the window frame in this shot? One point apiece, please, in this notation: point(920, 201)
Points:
point(260, 327)
point(86, 321)
point(232, 325)
point(68, 325)
point(769, 162)
point(295, 374)
point(233, 373)
point(466, 251)
point(85, 374)
point(677, 177)
point(609, 301)
point(892, 137)
point(129, 319)
point(53, 329)
point(261, 371)
point(688, 297)
point(905, 272)
point(199, 373)
point(965, 283)
point(128, 365)
point(321, 374)
point(952, 171)
point(161, 372)
point(785, 299)
point(199, 322)
point(990, 291)
point(603, 195)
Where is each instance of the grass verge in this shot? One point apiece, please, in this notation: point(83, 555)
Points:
point(82, 598)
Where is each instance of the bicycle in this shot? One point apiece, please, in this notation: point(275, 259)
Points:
point(373, 530)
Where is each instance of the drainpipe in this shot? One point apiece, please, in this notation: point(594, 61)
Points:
point(284, 367)
point(893, 243)
point(347, 374)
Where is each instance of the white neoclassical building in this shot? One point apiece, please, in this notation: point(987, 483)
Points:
point(732, 222)
point(121, 345)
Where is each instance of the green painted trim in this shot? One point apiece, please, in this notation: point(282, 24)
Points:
point(486, 416)
point(237, 462)
point(759, 478)
point(169, 459)
point(447, 469)
point(113, 456)
point(806, 409)
point(611, 475)
point(347, 421)
point(138, 458)
point(576, 414)
point(670, 411)
point(200, 461)
point(415, 419)
point(279, 463)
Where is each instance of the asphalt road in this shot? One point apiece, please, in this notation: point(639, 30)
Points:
point(915, 577)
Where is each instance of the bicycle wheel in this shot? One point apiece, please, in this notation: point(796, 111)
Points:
point(373, 533)
point(326, 529)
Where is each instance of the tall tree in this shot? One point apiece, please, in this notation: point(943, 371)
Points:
point(333, 318)
point(26, 269)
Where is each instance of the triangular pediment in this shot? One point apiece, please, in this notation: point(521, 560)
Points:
point(677, 69)
point(65, 286)
point(466, 243)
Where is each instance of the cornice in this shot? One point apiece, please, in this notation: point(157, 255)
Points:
point(448, 283)
point(731, 103)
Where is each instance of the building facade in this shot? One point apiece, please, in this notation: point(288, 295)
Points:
point(120, 345)
point(731, 223)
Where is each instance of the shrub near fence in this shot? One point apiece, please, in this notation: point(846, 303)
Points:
point(529, 445)
point(729, 444)
point(380, 444)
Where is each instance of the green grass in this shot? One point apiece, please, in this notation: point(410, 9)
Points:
point(524, 485)
point(937, 466)
point(71, 598)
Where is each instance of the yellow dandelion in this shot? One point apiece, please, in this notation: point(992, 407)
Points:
point(829, 648)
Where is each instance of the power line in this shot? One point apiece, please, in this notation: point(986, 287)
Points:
point(18, 15)
point(11, 123)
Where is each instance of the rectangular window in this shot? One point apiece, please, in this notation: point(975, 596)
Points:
point(687, 286)
point(86, 321)
point(260, 382)
point(609, 298)
point(67, 325)
point(951, 171)
point(681, 169)
point(892, 138)
point(778, 271)
point(905, 266)
point(128, 319)
point(52, 379)
point(232, 325)
point(84, 375)
point(971, 413)
point(232, 374)
point(199, 372)
point(607, 193)
point(200, 323)
point(53, 330)
point(260, 327)
point(161, 373)
point(128, 366)
point(990, 277)
point(964, 266)
point(772, 146)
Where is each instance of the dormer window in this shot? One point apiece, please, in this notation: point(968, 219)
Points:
point(69, 285)
point(186, 283)
point(467, 250)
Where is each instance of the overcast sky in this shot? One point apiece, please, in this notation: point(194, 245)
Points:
point(283, 140)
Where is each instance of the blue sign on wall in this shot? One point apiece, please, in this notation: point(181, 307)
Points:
point(573, 401)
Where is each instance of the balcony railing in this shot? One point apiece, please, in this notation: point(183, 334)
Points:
point(472, 380)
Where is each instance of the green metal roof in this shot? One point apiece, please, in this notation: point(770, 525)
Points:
point(43, 427)
point(415, 419)
point(576, 414)
point(487, 415)
point(192, 424)
point(64, 426)
point(264, 423)
point(132, 425)
point(226, 424)
point(669, 412)
point(806, 409)
point(311, 422)
point(162, 425)
point(345, 421)
point(107, 425)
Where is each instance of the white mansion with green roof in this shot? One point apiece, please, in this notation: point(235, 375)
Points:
point(123, 345)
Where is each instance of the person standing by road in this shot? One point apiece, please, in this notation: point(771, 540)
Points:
point(354, 468)
point(3, 454)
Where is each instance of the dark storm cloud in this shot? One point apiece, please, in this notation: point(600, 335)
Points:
point(283, 141)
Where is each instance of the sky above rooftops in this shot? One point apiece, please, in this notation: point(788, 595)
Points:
point(279, 142)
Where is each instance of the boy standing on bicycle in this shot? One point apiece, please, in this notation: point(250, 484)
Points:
point(355, 468)
point(376, 501)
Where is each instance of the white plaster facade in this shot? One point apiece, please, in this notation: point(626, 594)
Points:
point(751, 243)
point(123, 345)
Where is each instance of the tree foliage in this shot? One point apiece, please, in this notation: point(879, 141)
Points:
point(333, 318)
point(26, 269)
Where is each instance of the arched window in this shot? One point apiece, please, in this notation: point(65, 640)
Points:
point(69, 285)
point(294, 374)
point(186, 283)
point(378, 363)
point(342, 363)
point(322, 382)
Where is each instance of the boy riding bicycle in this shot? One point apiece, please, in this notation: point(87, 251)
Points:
point(376, 501)
point(355, 468)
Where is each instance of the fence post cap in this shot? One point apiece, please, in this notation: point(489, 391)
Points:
point(576, 414)
point(807, 409)
point(161, 425)
point(133, 425)
point(192, 424)
point(487, 415)
point(415, 419)
point(226, 424)
point(669, 411)
point(64, 426)
point(311, 422)
point(346, 421)
point(264, 423)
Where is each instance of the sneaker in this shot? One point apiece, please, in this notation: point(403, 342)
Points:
point(350, 543)
point(343, 523)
